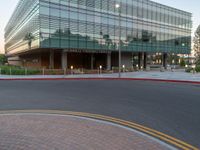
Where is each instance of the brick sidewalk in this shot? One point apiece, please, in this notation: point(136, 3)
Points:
point(56, 132)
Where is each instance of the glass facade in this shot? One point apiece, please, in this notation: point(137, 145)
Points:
point(93, 25)
point(25, 19)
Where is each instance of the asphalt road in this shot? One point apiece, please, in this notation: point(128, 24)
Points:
point(172, 108)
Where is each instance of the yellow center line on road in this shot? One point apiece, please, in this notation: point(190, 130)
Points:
point(156, 134)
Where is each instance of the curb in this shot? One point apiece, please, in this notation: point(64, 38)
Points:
point(133, 79)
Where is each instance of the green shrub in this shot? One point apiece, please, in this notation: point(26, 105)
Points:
point(33, 72)
point(182, 63)
point(15, 70)
point(188, 70)
point(198, 62)
point(3, 59)
point(197, 69)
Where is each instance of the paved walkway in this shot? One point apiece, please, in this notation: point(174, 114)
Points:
point(182, 76)
point(61, 132)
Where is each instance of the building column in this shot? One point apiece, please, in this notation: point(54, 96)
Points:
point(140, 60)
point(51, 59)
point(145, 60)
point(109, 61)
point(64, 60)
point(92, 61)
point(164, 60)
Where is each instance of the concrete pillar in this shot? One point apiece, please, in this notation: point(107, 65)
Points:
point(64, 60)
point(145, 61)
point(92, 61)
point(109, 61)
point(51, 59)
point(164, 60)
point(140, 60)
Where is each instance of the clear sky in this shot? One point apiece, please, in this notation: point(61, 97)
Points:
point(193, 6)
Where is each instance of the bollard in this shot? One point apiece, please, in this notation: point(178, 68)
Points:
point(193, 70)
point(26, 71)
point(43, 72)
point(65, 72)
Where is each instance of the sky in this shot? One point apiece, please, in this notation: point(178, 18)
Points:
point(7, 7)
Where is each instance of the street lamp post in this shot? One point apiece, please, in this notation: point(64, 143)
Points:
point(72, 67)
point(100, 69)
point(119, 45)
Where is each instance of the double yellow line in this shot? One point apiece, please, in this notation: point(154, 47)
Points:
point(156, 134)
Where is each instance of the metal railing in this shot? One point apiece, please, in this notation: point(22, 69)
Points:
point(74, 71)
point(27, 71)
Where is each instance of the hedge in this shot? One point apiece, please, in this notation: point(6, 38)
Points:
point(197, 69)
point(15, 70)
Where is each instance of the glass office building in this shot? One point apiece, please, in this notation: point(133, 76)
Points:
point(85, 33)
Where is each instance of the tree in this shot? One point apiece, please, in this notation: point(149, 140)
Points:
point(3, 59)
point(182, 63)
point(197, 45)
point(29, 37)
point(108, 41)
